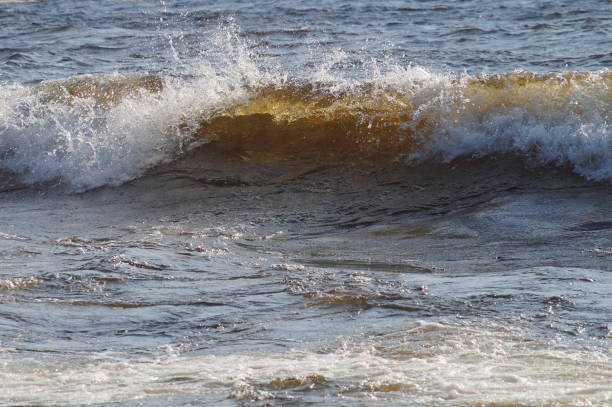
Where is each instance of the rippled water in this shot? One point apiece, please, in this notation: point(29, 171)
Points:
point(274, 203)
point(54, 39)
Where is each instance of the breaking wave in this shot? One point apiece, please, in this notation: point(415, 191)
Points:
point(104, 129)
point(415, 115)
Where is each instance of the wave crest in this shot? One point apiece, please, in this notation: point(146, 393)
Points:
point(552, 118)
point(92, 130)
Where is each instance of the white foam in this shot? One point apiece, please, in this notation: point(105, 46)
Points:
point(426, 363)
point(572, 128)
point(84, 145)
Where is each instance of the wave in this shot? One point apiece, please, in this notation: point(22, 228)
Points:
point(553, 118)
point(92, 130)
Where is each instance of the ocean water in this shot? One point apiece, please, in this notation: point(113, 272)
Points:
point(280, 203)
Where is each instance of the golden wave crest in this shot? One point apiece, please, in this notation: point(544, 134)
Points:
point(301, 122)
point(372, 122)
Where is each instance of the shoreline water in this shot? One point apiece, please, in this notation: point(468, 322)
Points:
point(269, 204)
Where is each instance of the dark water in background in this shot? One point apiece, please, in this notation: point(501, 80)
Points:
point(55, 39)
point(281, 203)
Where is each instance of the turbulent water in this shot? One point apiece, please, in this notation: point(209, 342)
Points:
point(274, 203)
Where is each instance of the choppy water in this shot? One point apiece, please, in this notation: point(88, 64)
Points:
point(275, 203)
